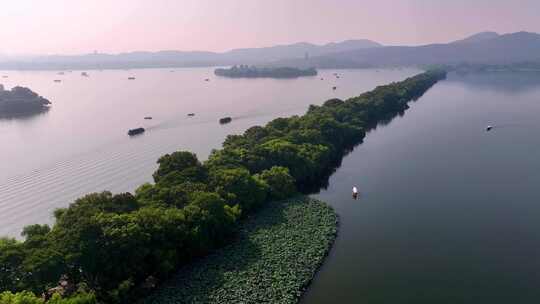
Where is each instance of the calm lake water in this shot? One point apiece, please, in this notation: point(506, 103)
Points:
point(448, 213)
point(80, 145)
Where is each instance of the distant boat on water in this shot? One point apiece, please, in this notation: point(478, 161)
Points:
point(131, 78)
point(488, 128)
point(60, 73)
point(84, 74)
point(207, 79)
point(148, 117)
point(137, 131)
point(57, 80)
point(333, 88)
point(225, 120)
point(191, 114)
point(5, 76)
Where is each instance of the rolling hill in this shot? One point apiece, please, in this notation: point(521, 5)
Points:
point(483, 48)
point(186, 59)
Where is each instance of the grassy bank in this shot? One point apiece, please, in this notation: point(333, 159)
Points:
point(276, 255)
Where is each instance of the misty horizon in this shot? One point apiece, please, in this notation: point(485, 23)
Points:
point(254, 47)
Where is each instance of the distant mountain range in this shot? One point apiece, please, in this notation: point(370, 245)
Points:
point(186, 59)
point(482, 36)
point(486, 48)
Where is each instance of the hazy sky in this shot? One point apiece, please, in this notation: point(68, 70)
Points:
point(82, 26)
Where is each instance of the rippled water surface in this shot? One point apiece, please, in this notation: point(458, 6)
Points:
point(81, 146)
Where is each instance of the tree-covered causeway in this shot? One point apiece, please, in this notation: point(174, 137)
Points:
point(107, 248)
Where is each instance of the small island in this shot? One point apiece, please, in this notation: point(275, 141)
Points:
point(244, 71)
point(21, 101)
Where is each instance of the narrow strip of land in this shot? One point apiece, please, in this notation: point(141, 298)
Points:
point(118, 248)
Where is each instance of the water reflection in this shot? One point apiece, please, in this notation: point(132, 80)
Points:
point(25, 116)
point(448, 212)
point(504, 81)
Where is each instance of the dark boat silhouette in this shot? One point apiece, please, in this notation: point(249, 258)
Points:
point(137, 131)
point(131, 78)
point(225, 120)
point(333, 88)
point(148, 117)
point(84, 74)
point(488, 128)
point(57, 80)
point(191, 114)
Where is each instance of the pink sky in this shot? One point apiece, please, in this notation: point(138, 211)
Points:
point(82, 26)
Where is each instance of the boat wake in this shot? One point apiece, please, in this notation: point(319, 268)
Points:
point(514, 125)
point(183, 120)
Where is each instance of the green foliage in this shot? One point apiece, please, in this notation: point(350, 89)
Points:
point(280, 182)
point(178, 195)
point(180, 165)
point(32, 265)
point(238, 187)
point(27, 297)
point(83, 298)
point(212, 220)
point(12, 256)
point(277, 254)
point(24, 297)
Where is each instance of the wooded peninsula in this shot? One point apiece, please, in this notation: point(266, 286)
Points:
point(117, 248)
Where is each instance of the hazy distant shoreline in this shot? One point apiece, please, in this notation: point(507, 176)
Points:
point(244, 71)
point(483, 49)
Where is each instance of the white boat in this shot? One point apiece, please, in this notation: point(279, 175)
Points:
point(354, 192)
